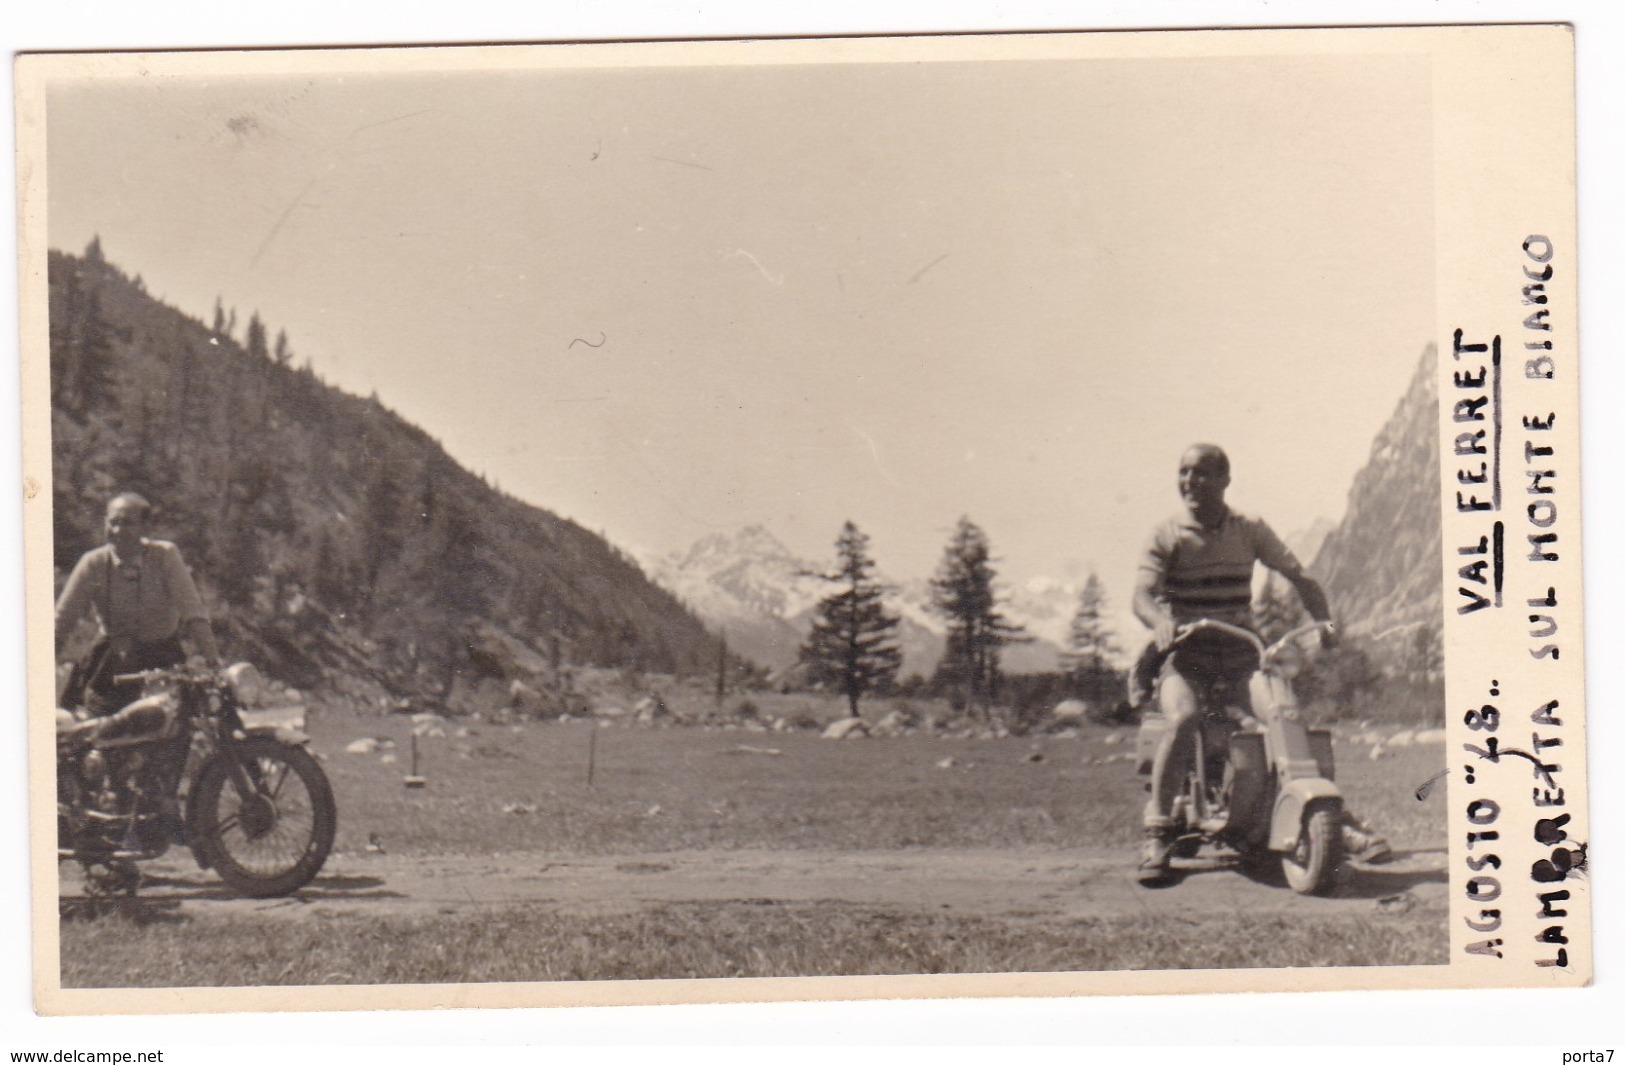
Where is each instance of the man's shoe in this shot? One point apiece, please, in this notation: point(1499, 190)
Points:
point(1367, 847)
point(1155, 857)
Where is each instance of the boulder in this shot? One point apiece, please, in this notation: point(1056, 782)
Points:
point(1070, 710)
point(893, 724)
point(846, 728)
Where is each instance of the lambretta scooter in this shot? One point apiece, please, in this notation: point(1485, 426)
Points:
point(1260, 784)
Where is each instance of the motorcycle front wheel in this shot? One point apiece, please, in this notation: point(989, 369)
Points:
point(274, 840)
point(1311, 867)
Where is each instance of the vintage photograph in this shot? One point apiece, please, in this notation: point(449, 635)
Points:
point(799, 509)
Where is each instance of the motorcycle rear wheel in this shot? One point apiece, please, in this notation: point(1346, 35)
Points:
point(1312, 866)
point(274, 842)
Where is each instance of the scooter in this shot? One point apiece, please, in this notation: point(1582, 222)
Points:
point(1260, 784)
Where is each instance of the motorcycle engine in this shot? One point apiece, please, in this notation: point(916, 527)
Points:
point(93, 771)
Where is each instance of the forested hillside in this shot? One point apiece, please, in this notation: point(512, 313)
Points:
point(337, 544)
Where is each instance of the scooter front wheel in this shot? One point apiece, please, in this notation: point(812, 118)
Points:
point(1311, 867)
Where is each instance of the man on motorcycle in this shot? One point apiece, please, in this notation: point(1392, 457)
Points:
point(1200, 565)
point(145, 602)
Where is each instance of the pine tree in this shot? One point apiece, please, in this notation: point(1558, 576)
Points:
point(82, 354)
point(257, 346)
point(282, 352)
point(219, 326)
point(722, 669)
point(95, 354)
point(852, 646)
point(962, 592)
point(1090, 646)
point(64, 311)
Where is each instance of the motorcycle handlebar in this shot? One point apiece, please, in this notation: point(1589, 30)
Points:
point(179, 673)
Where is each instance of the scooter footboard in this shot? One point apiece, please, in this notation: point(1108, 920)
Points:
point(1294, 799)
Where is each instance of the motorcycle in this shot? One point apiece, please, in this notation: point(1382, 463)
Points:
point(1260, 784)
point(179, 766)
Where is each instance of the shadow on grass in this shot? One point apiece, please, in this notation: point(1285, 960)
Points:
point(169, 892)
point(202, 887)
point(1383, 881)
point(134, 909)
point(1355, 881)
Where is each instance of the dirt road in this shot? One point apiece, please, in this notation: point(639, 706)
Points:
point(1013, 883)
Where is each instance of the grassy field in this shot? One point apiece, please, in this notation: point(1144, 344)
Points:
point(678, 788)
point(695, 941)
point(524, 789)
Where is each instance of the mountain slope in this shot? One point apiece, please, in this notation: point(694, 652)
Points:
point(337, 544)
point(1380, 566)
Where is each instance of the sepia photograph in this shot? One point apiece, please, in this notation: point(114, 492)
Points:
point(584, 515)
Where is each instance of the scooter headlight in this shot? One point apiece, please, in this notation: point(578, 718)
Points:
point(1289, 662)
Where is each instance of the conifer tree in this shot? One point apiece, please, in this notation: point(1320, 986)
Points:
point(1090, 646)
point(257, 346)
point(852, 646)
point(282, 352)
point(962, 592)
point(219, 326)
point(81, 347)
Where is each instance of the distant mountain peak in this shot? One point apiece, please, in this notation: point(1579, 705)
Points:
point(752, 587)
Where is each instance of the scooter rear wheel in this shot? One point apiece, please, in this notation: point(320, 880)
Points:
point(1312, 866)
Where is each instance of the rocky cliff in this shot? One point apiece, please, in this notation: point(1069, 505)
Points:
point(1380, 565)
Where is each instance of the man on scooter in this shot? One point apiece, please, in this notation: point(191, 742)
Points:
point(1200, 565)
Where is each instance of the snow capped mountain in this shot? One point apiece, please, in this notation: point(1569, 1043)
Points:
point(752, 588)
point(746, 574)
point(1045, 607)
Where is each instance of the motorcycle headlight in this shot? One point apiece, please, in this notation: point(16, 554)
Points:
point(246, 683)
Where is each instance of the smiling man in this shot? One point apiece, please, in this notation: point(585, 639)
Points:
point(1200, 565)
point(144, 600)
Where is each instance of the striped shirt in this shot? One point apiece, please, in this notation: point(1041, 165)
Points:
point(1208, 573)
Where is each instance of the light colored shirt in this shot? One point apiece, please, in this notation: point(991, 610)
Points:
point(1208, 573)
point(142, 599)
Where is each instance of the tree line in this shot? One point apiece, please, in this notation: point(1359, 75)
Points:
point(852, 647)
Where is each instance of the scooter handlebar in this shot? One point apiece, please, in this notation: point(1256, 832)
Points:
point(1265, 654)
point(1191, 628)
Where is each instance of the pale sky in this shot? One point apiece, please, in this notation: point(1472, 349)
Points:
point(675, 301)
